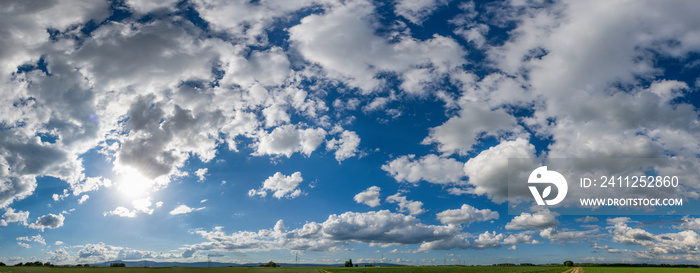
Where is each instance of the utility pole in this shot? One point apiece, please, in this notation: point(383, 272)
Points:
point(209, 260)
point(296, 258)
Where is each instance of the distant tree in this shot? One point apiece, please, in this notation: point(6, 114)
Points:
point(117, 265)
point(568, 263)
point(47, 264)
point(86, 265)
point(2, 264)
point(79, 265)
point(271, 264)
point(348, 263)
point(356, 265)
point(19, 264)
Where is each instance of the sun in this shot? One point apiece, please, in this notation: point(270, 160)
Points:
point(132, 183)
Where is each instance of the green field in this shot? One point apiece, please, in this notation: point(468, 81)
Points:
point(406, 269)
point(638, 269)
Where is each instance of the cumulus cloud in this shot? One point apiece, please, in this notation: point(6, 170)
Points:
point(122, 212)
point(144, 7)
point(369, 197)
point(488, 173)
point(83, 198)
point(466, 214)
point(460, 133)
point(538, 220)
point(482, 241)
point(101, 252)
point(201, 174)
point(417, 11)
point(288, 139)
point(36, 238)
point(12, 216)
point(60, 255)
point(689, 223)
point(140, 205)
point(49, 221)
point(358, 55)
point(553, 234)
point(346, 146)
point(405, 205)
point(280, 185)
point(375, 228)
point(430, 168)
point(184, 209)
point(90, 184)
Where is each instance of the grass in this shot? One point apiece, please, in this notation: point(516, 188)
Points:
point(638, 269)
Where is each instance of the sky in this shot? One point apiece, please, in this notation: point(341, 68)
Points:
point(377, 131)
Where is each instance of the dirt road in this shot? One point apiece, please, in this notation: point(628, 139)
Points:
point(577, 270)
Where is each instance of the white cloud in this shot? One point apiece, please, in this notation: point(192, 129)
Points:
point(280, 185)
point(12, 216)
point(49, 221)
point(488, 171)
point(58, 243)
point(90, 184)
point(36, 238)
point(248, 21)
point(24, 245)
point(369, 197)
point(553, 234)
point(343, 42)
point(101, 252)
point(538, 220)
point(122, 212)
point(460, 133)
point(405, 205)
point(288, 139)
point(484, 240)
point(58, 256)
point(632, 236)
point(345, 147)
point(143, 205)
point(466, 214)
point(417, 10)
point(430, 168)
point(59, 197)
point(83, 198)
point(183, 209)
point(140, 205)
point(587, 219)
point(375, 228)
point(145, 6)
point(201, 174)
point(689, 223)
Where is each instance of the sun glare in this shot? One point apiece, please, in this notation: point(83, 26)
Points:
point(133, 184)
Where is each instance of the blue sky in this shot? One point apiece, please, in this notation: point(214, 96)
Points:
point(259, 130)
